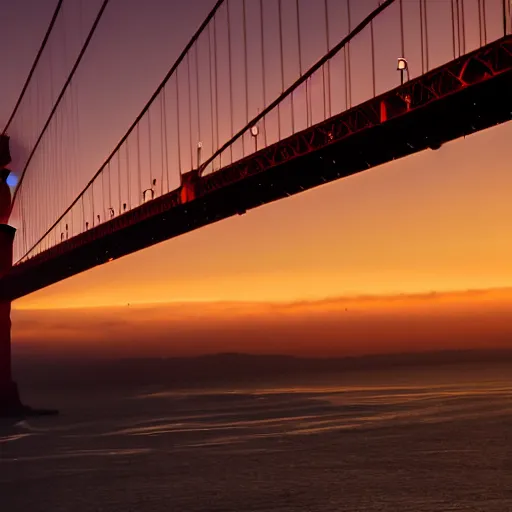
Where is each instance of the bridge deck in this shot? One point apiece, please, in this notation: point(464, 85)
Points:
point(462, 97)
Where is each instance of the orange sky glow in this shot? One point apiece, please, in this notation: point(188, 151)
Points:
point(333, 327)
point(378, 262)
point(435, 222)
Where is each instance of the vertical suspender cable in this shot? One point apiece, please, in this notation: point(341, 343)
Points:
point(374, 85)
point(125, 137)
point(426, 35)
point(212, 115)
point(166, 139)
point(92, 202)
point(139, 167)
point(279, 5)
point(178, 136)
point(457, 6)
point(453, 27)
point(216, 84)
point(504, 18)
point(402, 34)
point(109, 185)
point(480, 21)
point(189, 94)
point(463, 22)
point(422, 48)
point(348, 78)
point(246, 69)
point(162, 144)
point(328, 47)
point(263, 76)
point(128, 182)
point(103, 209)
point(484, 20)
point(119, 211)
point(198, 103)
point(150, 150)
point(62, 92)
point(297, 11)
point(313, 69)
point(230, 72)
point(102, 205)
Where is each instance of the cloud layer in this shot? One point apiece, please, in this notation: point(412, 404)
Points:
point(331, 327)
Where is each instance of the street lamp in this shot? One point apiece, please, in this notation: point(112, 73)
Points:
point(199, 147)
point(402, 66)
point(255, 132)
point(145, 197)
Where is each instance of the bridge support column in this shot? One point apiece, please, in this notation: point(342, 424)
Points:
point(10, 404)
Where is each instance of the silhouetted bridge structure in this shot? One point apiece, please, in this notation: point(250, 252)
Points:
point(310, 133)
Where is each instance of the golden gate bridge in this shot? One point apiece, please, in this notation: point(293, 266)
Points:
point(269, 98)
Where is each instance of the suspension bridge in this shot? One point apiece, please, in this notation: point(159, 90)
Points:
point(269, 98)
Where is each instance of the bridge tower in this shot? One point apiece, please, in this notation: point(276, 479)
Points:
point(10, 403)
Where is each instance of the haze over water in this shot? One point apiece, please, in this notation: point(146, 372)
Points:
point(402, 437)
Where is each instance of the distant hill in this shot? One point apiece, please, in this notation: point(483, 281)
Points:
point(230, 368)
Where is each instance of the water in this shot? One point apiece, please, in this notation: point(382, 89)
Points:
point(417, 440)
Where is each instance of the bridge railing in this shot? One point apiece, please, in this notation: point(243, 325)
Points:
point(258, 72)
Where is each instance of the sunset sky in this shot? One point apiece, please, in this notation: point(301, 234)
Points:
point(412, 255)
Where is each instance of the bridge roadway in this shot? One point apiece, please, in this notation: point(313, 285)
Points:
point(462, 97)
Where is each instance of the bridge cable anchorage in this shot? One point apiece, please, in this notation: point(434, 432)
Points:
point(34, 64)
point(159, 89)
point(62, 92)
point(334, 51)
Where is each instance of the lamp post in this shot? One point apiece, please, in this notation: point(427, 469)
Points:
point(402, 66)
point(255, 132)
point(199, 147)
point(151, 194)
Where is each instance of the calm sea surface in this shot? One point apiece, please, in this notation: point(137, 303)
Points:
point(429, 440)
